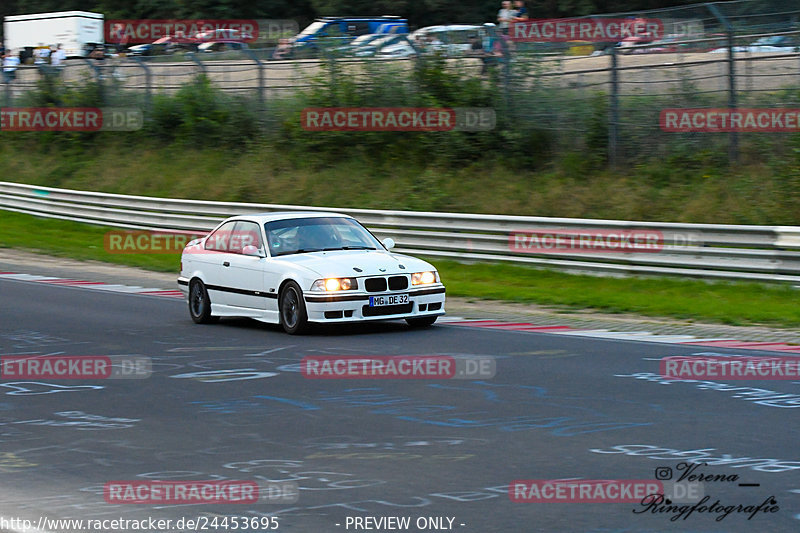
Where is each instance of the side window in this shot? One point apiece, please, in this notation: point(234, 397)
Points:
point(220, 239)
point(244, 234)
point(334, 29)
point(358, 28)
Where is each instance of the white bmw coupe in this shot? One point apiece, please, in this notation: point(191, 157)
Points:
point(297, 268)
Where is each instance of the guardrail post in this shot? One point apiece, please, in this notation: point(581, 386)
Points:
point(733, 138)
point(613, 111)
point(148, 89)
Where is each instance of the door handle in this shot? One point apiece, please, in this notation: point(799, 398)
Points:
point(226, 264)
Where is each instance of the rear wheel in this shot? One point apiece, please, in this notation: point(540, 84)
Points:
point(421, 322)
point(200, 303)
point(294, 317)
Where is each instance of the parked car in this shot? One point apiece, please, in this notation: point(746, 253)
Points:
point(221, 46)
point(662, 46)
point(298, 268)
point(372, 48)
point(101, 51)
point(164, 46)
point(359, 41)
point(350, 28)
point(223, 35)
point(453, 41)
point(343, 30)
point(772, 43)
point(625, 45)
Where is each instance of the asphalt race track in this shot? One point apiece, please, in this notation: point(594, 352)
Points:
point(228, 402)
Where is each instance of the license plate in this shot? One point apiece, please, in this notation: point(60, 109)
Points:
point(390, 299)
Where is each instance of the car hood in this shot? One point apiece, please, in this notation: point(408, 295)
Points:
point(396, 46)
point(342, 263)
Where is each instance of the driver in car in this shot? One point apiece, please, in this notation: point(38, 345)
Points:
point(314, 238)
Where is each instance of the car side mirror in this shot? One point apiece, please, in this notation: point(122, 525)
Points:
point(388, 242)
point(252, 251)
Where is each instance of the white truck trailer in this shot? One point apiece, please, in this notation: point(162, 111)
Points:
point(73, 29)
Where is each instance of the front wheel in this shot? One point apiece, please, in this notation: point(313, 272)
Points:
point(422, 322)
point(200, 304)
point(294, 317)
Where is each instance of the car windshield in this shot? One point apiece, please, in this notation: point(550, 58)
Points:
point(384, 40)
point(318, 234)
point(314, 27)
point(772, 40)
point(364, 39)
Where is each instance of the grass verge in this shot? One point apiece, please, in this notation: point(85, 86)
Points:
point(730, 303)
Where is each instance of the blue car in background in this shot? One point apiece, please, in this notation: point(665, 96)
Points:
point(342, 30)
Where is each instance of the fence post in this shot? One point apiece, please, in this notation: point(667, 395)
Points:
point(613, 111)
point(491, 29)
point(6, 92)
point(733, 137)
point(98, 74)
point(417, 52)
point(148, 94)
point(193, 57)
point(260, 67)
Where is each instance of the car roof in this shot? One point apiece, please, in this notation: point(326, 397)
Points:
point(224, 41)
point(382, 18)
point(262, 218)
point(452, 27)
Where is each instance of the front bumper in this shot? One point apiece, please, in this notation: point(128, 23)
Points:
point(342, 307)
point(183, 286)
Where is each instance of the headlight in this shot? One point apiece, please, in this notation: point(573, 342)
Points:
point(335, 284)
point(424, 278)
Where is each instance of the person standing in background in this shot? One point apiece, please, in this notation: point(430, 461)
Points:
point(504, 16)
point(522, 11)
point(10, 64)
point(58, 56)
point(41, 55)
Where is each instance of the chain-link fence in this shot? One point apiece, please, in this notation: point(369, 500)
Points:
point(602, 99)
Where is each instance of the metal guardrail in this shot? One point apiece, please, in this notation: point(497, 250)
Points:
point(711, 251)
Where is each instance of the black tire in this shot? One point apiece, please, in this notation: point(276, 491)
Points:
point(292, 307)
point(421, 322)
point(200, 303)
